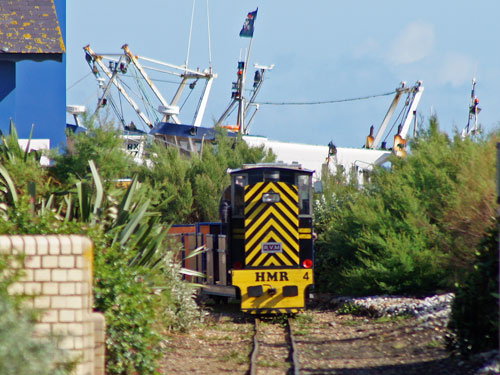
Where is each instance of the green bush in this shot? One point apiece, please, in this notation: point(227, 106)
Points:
point(138, 284)
point(167, 176)
point(180, 311)
point(126, 296)
point(197, 182)
point(475, 316)
point(124, 286)
point(21, 352)
point(104, 145)
point(413, 228)
point(23, 166)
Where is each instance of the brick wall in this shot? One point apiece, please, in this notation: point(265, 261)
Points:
point(59, 275)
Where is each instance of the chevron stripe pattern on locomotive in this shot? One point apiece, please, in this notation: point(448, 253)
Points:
point(271, 230)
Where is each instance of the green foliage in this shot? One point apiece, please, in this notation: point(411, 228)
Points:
point(126, 296)
point(209, 175)
point(413, 228)
point(133, 282)
point(21, 352)
point(454, 181)
point(351, 309)
point(196, 182)
point(180, 309)
point(22, 166)
point(475, 316)
point(167, 175)
point(138, 282)
point(102, 144)
point(130, 268)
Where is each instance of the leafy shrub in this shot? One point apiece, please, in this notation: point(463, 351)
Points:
point(104, 145)
point(124, 283)
point(413, 228)
point(126, 297)
point(21, 352)
point(377, 242)
point(167, 176)
point(475, 316)
point(180, 311)
point(350, 308)
point(23, 166)
point(195, 183)
point(137, 283)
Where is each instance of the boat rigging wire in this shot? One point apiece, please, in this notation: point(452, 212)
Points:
point(86, 101)
point(115, 109)
point(185, 100)
point(121, 106)
point(209, 41)
point(77, 82)
point(190, 34)
point(149, 108)
point(122, 82)
point(153, 79)
point(394, 123)
point(137, 95)
point(328, 101)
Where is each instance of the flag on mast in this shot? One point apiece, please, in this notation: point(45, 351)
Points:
point(247, 29)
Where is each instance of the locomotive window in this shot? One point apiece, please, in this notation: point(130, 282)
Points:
point(239, 183)
point(271, 176)
point(288, 177)
point(254, 177)
point(304, 185)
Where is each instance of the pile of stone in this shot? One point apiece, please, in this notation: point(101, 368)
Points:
point(433, 310)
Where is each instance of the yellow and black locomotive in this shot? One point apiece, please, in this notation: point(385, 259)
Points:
point(270, 237)
point(262, 252)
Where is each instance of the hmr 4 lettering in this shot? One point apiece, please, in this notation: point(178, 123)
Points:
point(271, 276)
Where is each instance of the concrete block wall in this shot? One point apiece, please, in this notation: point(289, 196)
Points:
point(58, 272)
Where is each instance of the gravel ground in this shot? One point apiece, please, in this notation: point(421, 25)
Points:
point(432, 312)
point(397, 335)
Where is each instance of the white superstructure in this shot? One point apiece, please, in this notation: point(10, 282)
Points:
point(314, 157)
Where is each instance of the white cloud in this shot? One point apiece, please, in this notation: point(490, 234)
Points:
point(368, 47)
point(456, 69)
point(413, 43)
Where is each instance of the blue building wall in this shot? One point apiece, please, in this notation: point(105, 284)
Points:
point(34, 92)
point(41, 100)
point(7, 89)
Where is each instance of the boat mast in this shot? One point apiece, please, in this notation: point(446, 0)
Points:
point(241, 99)
point(155, 90)
point(473, 113)
point(92, 56)
point(414, 94)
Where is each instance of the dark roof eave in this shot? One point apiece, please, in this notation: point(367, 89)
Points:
point(15, 57)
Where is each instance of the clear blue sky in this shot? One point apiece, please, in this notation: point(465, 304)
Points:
point(322, 50)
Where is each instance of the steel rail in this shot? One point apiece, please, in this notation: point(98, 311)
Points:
point(293, 348)
point(290, 340)
point(255, 350)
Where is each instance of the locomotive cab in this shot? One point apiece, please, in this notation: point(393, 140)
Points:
point(270, 237)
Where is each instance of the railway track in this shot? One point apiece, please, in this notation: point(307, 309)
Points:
point(274, 350)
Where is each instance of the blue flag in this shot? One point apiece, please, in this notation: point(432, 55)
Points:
point(247, 29)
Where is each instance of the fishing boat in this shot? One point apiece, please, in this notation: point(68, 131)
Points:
point(160, 119)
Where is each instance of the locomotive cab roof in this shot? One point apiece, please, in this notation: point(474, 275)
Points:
point(273, 166)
